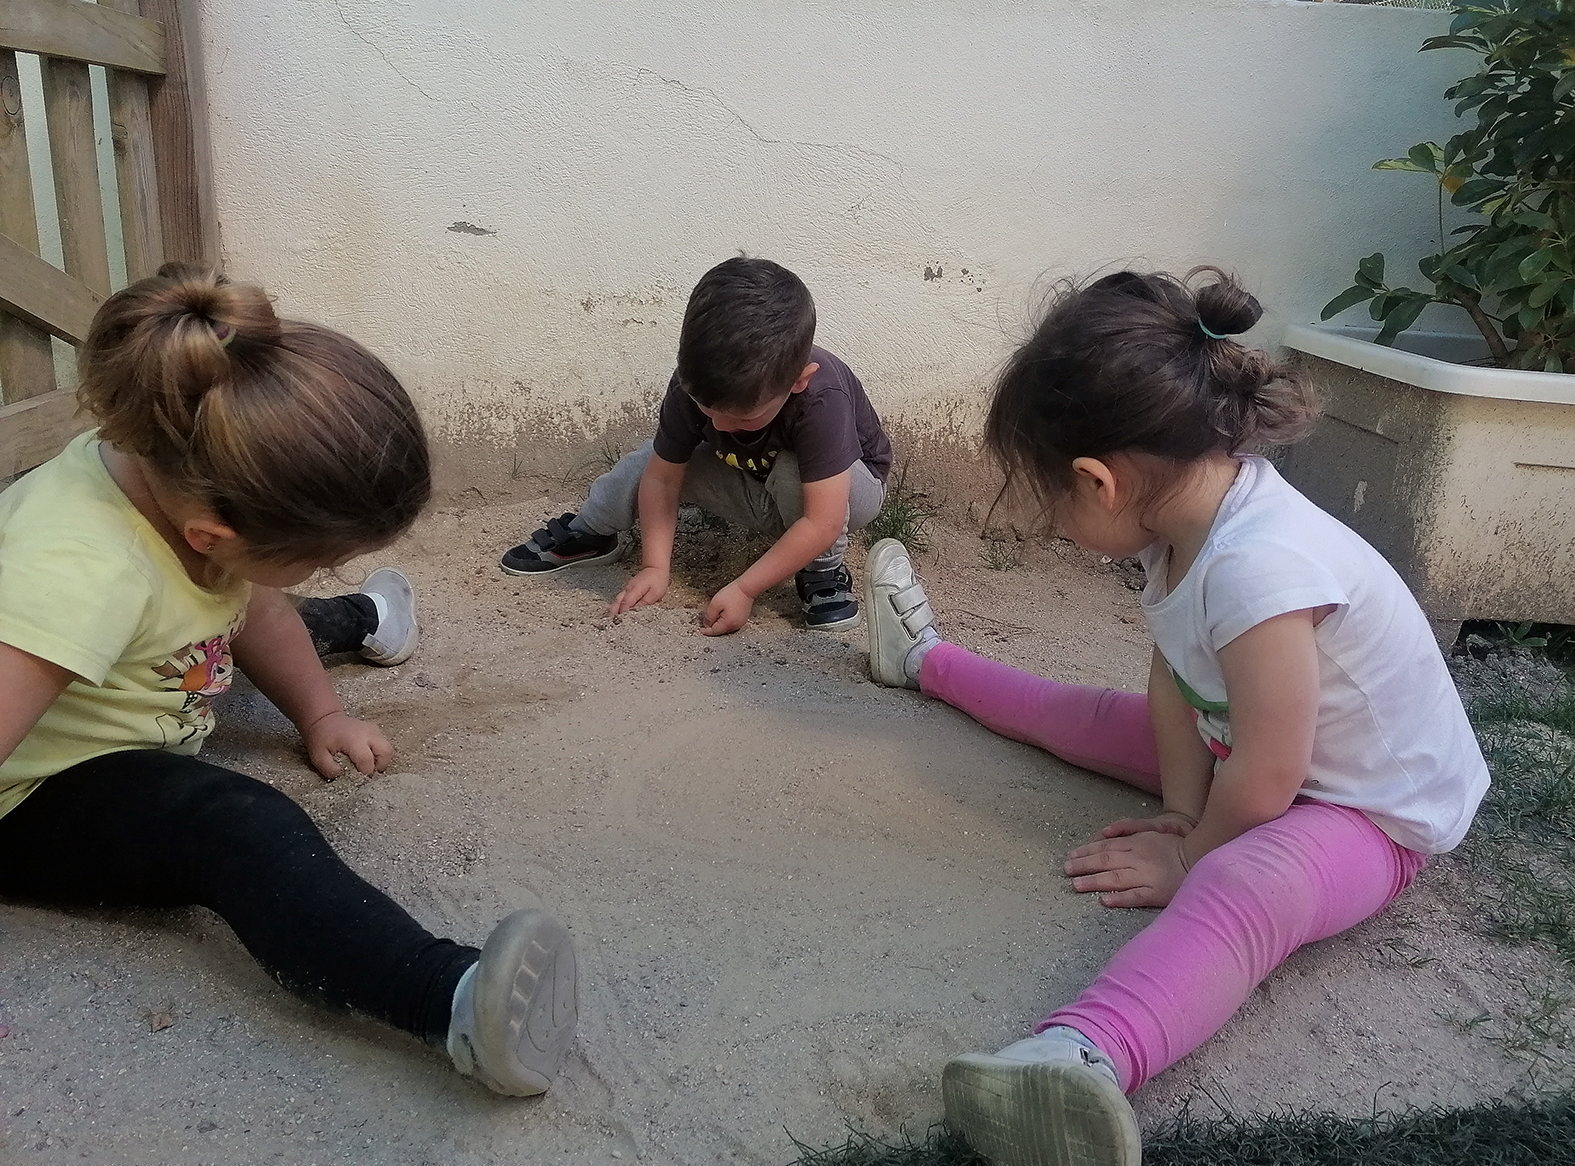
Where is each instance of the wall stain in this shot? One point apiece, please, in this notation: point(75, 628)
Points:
point(464, 228)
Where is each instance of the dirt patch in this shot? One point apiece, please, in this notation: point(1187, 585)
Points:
point(794, 895)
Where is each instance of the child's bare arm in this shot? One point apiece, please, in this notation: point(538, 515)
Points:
point(1271, 678)
point(275, 651)
point(28, 686)
point(825, 515)
point(1186, 767)
point(661, 485)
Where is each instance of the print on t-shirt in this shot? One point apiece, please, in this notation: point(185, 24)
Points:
point(759, 465)
point(1212, 717)
point(204, 672)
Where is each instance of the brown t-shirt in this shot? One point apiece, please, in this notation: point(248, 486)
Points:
point(829, 426)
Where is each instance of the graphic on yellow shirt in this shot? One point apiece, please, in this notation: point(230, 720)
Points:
point(759, 466)
point(204, 672)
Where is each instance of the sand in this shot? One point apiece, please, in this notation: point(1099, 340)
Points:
point(794, 895)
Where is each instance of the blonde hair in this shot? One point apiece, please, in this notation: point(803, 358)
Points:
point(292, 434)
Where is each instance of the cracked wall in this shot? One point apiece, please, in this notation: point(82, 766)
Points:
point(510, 201)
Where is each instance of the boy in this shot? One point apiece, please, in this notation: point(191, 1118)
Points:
point(760, 428)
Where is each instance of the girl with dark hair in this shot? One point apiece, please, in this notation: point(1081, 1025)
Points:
point(235, 454)
point(1300, 725)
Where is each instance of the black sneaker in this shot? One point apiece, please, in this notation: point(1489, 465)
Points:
point(827, 597)
point(556, 546)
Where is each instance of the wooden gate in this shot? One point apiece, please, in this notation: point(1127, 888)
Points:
point(160, 182)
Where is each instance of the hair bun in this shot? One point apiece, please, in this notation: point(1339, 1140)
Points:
point(1225, 308)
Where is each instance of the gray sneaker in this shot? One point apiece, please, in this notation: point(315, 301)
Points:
point(393, 640)
point(1044, 1101)
point(515, 1010)
point(898, 612)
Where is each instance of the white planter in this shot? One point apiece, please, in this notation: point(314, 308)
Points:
point(1462, 475)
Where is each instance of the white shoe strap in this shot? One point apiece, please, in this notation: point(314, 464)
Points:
point(918, 618)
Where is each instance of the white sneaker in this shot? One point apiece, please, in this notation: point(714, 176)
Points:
point(516, 1008)
point(1045, 1101)
point(898, 612)
point(394, 639)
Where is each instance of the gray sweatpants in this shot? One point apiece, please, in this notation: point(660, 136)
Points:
point(737, 496)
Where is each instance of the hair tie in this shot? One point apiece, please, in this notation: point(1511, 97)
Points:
point(1209, 332)
point(223, 333)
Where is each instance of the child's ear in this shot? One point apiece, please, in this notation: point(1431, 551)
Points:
point(1099, 480)
point(204, 532)
point(802, 383)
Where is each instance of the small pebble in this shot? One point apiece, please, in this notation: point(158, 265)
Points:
point(4, 1032)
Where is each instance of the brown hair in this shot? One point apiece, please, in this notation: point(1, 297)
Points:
point(746, 336)
point(292, 434)
point(1128, 365)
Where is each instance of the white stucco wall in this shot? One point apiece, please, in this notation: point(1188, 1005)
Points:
point(612, 152)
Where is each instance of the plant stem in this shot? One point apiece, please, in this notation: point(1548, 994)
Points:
point(1473, 305)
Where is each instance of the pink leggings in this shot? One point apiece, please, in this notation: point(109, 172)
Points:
point(1243, 909)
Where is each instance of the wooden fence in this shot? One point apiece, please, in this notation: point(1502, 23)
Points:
point(161, 183)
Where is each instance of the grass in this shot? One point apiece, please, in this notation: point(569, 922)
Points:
point(1535, 1133)
point(903, 517)
point(1523, 843)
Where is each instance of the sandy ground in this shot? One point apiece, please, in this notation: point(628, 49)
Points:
point(794, 896)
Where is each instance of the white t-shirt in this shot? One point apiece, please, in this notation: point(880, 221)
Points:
point(1392, 739)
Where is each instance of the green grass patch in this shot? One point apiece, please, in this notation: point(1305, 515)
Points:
point(903, 516)
point(1534, 1133)
point(1523, 842)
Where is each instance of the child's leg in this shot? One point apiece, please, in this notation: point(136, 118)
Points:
point(378, 622)
point(613, 503)
point(151, 828)
point(1100, 729)
point(866, 493)
point(1245, 907)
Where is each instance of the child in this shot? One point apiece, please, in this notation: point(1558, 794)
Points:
point(236, 454)
point(1300, 724)
point(760, 428)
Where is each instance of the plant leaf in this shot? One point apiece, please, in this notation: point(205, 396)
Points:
point(1371, 270)
point(1401, 317)
point(1532, 265)
point(1349, 298)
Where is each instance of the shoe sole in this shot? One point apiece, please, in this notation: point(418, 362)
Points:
point(1040, 1114)
point(527, 1002)
point(878, 615)
point(407, 594)
point(611, 556)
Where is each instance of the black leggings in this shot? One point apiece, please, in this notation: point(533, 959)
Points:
point(148, 828)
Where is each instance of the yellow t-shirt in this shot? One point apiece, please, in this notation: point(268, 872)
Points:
point(88, 584)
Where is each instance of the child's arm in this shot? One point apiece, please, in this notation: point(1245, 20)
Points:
point(1271, 682)
point(825, 515)
point(1186, 766)
point(660, 487)
point(275, 651)
point(28, 686)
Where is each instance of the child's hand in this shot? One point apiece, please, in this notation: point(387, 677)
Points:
point(727, 612)
point(644, 589)
point(1167, 822)
point(1137, 870)
point(361, 741)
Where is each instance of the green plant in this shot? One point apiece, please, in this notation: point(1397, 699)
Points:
point(903, 516)
point(1519, 635)
point(1513, 271)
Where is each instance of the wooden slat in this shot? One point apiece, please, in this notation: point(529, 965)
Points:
point(136, 171)
point(43, 295)
point(34, 431)
point(180, 140)
point(27, 363)
point(77, 31)
point(68, 108)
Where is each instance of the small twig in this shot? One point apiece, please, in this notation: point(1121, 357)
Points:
point(1016, 627)
point(1473, 306)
